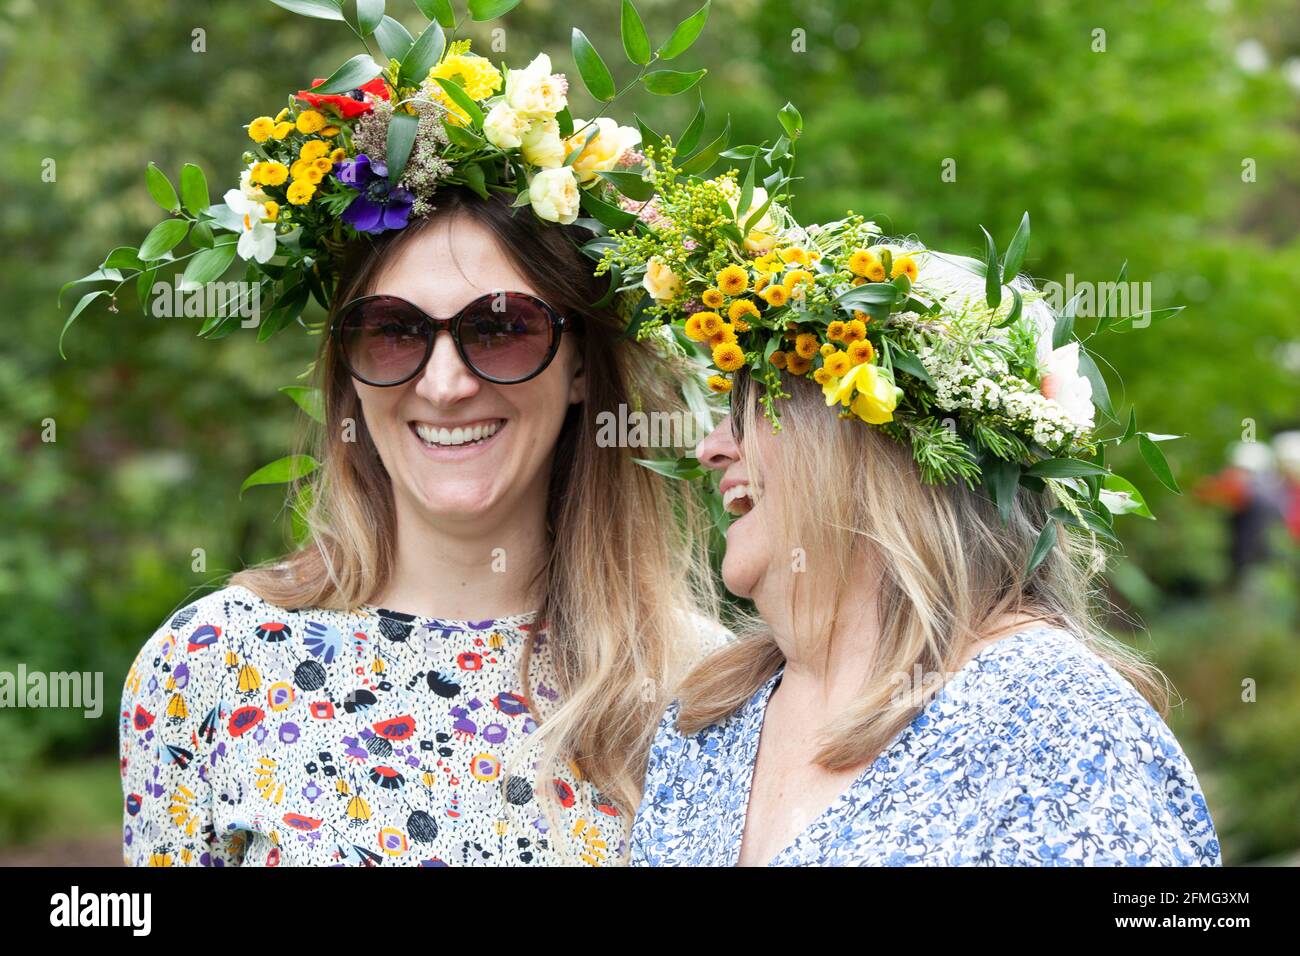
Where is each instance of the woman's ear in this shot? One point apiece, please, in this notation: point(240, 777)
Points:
point(578, 384)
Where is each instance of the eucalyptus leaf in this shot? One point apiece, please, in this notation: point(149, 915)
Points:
point(671, 82)
point(160, 188)
point(162, 238)
point(685, 34)
point(595, 74)
point(194, 189)
point(441, 11)
point(1156, 461)
point(636, 44)
point(426, 51)
point(481, 10)
point(394, 39)
point(320, 9)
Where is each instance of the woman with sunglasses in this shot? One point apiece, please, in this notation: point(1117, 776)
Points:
point(465, 663)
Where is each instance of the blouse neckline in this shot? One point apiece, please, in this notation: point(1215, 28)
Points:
point(755, 715)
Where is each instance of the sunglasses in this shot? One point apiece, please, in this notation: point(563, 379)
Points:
point(502, 337)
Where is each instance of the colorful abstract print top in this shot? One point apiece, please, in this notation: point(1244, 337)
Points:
point(1036, 753)
point(252, 735)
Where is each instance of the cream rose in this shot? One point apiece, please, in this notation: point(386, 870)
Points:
point(541, 144)
point(1062, 383)
point(535, 89)
point(660, 280)
point(505, 127)
point(554, 195)
point(602, 153)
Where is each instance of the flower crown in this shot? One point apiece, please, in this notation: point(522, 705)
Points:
point(996, 390)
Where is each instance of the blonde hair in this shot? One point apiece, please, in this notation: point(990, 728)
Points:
point(850, 497)
point(622, 588)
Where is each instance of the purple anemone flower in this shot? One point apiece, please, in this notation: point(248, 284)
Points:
point(378, 205)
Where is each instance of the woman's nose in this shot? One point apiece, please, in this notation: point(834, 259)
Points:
point(718, 449)
point(445, 378)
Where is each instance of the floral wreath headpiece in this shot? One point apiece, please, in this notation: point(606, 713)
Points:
point(985, 391)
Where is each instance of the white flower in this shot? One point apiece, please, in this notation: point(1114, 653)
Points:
point(249, 190)
point(660, 280)
point(1062, 383)
point(258, 239)
point(535, 89)
point(554, 195)
point(605, 148)
point(541, 144)
point(504, 127)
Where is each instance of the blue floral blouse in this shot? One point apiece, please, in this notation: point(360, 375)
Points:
point(1037, 752)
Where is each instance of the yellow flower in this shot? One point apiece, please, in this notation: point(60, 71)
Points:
point(760, 282)
point(313, 149)
point(821, 376)
point(310, 174)
point(827, 349)
point(710, 323)
point(604, 151)
point(876, 272)
point(725, 334)
point(862, 351)
point(861, 316)
point(855, 331)
point(329, 131)
point(797, 277)
point(740, 325)
point(476, 74)
point(310, 121)
point(741, 308)
point(272, 209)
point(728, 356)
point(324, 164)
point(835, 331)
point(338, 155)
point(793, 254)
point(693, 330)
point(775, 295)
point(861, 261)
point(713, 298)
point(838, 364)
point(769, 262)
point(269, 173)
point(778, 358)
point(805, 344)
point(279, 117)
point(660, 280)
point(282, 130)
point(798, 365)
point(300, 192)
point(719, 384)
point(876, 397)
point(733, 280)
point(904, 265)
point(260, 129)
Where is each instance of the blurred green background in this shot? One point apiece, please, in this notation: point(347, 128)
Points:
point(1142, 151)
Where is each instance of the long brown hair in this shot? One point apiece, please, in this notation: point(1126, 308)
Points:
point(622, 587)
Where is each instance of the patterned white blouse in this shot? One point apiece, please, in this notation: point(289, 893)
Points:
point(252, 735)
point(1037, 752)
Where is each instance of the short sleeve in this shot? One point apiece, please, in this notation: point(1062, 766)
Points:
point(170, 715)
point(1122, 793)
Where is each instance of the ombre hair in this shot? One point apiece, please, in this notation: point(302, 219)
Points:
point(626, 591)
point(944, 568)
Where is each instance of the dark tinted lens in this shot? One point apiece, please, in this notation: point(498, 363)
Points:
point(507, 336)
point(384, 340)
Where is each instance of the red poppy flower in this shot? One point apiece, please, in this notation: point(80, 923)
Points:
point(347, 105)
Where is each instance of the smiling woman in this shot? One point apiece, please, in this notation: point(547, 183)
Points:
point(500, 714)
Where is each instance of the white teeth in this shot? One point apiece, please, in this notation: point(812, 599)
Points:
point(432, 435)
point(738, 500)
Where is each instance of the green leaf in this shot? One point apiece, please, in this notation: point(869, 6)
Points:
point(310, 400)
point(685, 469)
point(162, 238)
point(393, 38)
point(648, 136)
point(462, 99)
point(707, 155)
point(1155, 460)
point(123, 257)
point(466, 139)
point(355, 72)
point(611, 216)
point(320, 9)
point(595, 74)
point(160, 188)
point(194, 189)
point(992, 274)
point(490, 9)
point(86, 299)
point(426, 51)
point(369, 15)
point(1089, 521)
point(685, 33)
point(671, 82)
point(208, 265)
point(1121, 497)
point(791, 120)
point(401, 137)
point(475, 179)
point(1046, 541)
point(1131, 430)
point(909, 363)
point(1015, 256)
point(439, 10)
point(289, 468)
point(1100, 393)
point(1002, 478)
point(635, 42)
point(690, 137)
point(630, 185)
point(1064, 468)
point(1063, 331)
